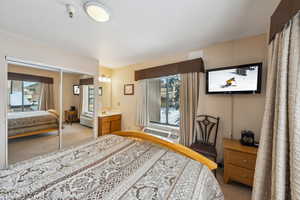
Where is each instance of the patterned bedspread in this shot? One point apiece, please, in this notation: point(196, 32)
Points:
point(111, 168)
point(22, 122)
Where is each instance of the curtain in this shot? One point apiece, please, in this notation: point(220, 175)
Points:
point(277, 174)
point(47, 97)
point(142, 115)
point(80, 101)
point(189, 95)
point(154, 100)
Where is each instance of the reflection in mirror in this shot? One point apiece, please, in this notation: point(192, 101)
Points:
point(105, 93)
point(33, 112)
point(78, 108)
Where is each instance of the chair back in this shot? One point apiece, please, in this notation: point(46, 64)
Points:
point(208, 127)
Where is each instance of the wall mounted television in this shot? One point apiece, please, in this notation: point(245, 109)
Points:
point(241, 79)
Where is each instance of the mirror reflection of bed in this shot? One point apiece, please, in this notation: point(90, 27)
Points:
point(33, 112)
point(78, 108)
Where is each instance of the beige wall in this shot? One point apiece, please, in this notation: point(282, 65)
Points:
point(242, 111)
point(237, 112)
point(69, 99)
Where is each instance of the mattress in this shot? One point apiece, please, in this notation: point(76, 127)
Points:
point(23, 122)
point(110, 168)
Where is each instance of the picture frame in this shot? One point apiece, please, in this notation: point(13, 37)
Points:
point(129, 89)
point(100, 91)
point(76, 90)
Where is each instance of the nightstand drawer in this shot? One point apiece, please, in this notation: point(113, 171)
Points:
point(240, 159)
point(240, 174)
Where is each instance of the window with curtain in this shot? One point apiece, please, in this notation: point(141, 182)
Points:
point(23, 96)
point(91, 98)
point(163, 100)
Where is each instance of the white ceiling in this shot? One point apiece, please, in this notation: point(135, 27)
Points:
point(139, 29)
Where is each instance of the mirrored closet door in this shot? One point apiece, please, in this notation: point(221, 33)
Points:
point(33, 111)
point(78, 102)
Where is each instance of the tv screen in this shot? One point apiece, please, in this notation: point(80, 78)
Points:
point(233, 80)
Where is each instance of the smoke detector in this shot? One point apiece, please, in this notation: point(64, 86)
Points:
point(70, 10)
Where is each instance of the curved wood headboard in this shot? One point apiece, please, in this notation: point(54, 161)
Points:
point(175, 147)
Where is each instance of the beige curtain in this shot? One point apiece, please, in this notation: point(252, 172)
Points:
point(80, 101)
point(154, 100)
point(277, 174)
point(47, 97)
point(189, 95)
point(142, 114)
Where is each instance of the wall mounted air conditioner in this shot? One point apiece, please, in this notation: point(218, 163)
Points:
point(160, 133)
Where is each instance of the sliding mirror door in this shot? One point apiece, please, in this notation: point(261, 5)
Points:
point(33, 112)
point(78, 109)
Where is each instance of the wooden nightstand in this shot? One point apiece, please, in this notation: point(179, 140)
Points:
point(71, 116)
point(239, 162)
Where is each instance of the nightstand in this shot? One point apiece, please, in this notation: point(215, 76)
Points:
point(239, 162)
point(71, 116)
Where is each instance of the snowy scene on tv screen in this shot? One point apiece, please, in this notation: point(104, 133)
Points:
point(230, 80)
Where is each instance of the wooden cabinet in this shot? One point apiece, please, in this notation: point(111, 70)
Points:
point(239, 162)
point(109, 124)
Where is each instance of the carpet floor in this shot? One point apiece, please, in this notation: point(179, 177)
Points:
point(20, 149)
point(233, 190)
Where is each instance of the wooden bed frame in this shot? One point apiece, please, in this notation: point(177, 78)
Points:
point(33, 133)
point(178, 148)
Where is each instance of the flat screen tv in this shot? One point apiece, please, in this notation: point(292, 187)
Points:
point(242, 79)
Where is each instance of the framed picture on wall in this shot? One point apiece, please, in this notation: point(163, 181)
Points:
point(76, 89)
point(100, 91)
point(129, 89)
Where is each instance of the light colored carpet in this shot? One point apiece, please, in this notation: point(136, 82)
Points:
point(28, 147)
point(233, 190)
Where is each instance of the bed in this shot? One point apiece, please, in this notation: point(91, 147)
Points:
point(22, 124)
point(113, 167)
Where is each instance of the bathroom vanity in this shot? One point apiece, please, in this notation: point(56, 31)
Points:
point(109, 123)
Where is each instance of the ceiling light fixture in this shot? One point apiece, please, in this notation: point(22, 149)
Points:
point(96, 11)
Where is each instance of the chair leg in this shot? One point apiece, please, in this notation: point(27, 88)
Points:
point(215, 171)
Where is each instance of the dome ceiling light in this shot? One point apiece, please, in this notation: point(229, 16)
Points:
point(96, 11)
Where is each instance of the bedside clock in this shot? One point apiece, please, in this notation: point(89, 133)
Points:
point(247, 138)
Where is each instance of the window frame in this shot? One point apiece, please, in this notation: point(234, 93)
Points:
point(91, 100)
point(22, 106)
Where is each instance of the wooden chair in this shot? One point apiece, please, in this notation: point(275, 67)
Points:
point(208, 130)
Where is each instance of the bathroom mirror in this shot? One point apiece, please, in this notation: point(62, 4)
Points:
point(104, 89)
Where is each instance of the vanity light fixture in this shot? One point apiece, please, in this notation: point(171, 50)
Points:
point(104, 79)
point(96, 11)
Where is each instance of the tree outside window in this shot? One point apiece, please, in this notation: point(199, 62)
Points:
point(164, 100)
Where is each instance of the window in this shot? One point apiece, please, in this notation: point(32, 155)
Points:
point(91, 98)
point(163, 100)
point(23, 96)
